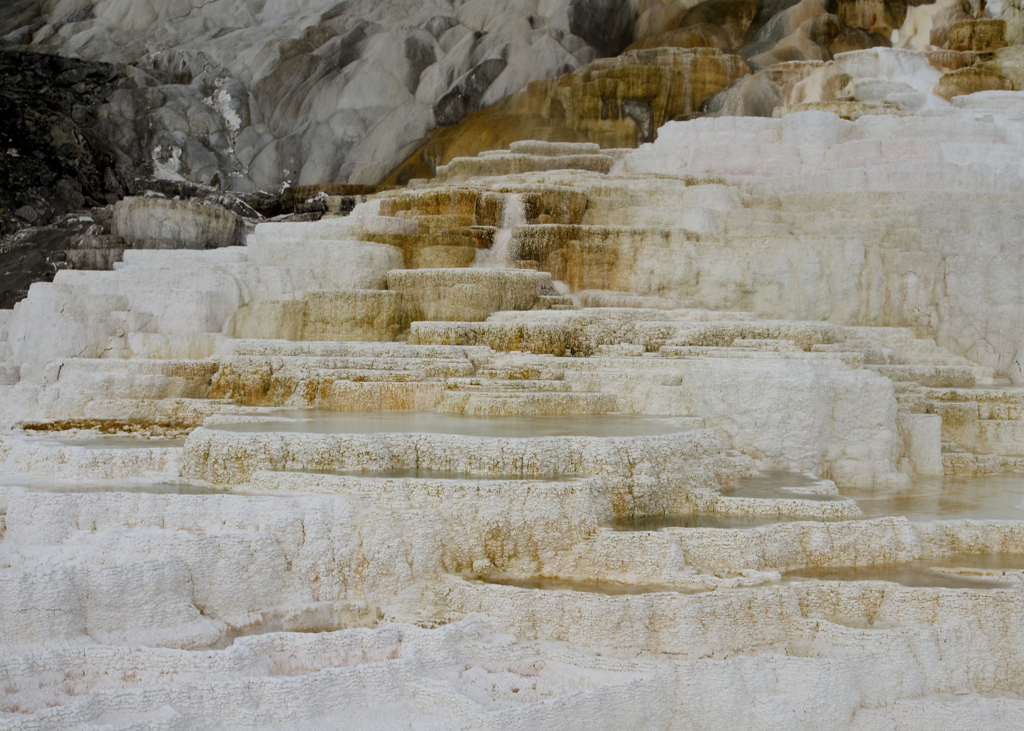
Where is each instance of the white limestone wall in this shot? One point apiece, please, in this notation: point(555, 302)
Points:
point(183, 570)
point(186, 295)
point(791, 413)
point(639, 474)
point(398, 675)
point(897, 221)
point(803, 416)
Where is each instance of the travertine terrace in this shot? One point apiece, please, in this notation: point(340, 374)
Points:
point(568, 437)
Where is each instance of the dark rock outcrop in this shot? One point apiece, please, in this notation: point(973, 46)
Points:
point(607, 25)
point(66, 156)
point(53, 160)
point(36, 254)
point(255, 96)
point(466, 93)
point(19, 14)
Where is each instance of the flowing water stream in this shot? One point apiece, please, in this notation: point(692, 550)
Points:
point(499, 256)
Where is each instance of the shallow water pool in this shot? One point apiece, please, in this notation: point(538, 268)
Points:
point(608, 588)
point(432, 422)
point(426, 473)
point(111, 442)
point(983, 497)
point(923, 572)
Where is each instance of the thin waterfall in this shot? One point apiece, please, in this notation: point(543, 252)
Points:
point(499, 255)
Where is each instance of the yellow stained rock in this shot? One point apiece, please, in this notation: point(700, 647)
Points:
point(882, 16)
point(970, 80)
point(465, 295)
point(354, 314)
point(985, 34)
point(615, 102)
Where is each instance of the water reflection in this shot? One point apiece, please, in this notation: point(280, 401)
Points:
point(778, 484)
point(162, 487)
point(426, 473)
point(110, 442)
point(984, 497)
point(701, 520)
point(431, 422)
point(923, 572)
point(608, 588)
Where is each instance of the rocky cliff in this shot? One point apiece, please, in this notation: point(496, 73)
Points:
point(247, 95)
point(262, 104)
point(725, 431)
point(257, 95)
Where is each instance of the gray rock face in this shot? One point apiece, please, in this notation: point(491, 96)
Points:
point(640, 111)
point(753, 96)
point(256, 95)
point(466, 94)
point(607, 25)
point(15, 14)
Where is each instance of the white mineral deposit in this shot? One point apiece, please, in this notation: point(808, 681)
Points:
point(722, 432)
